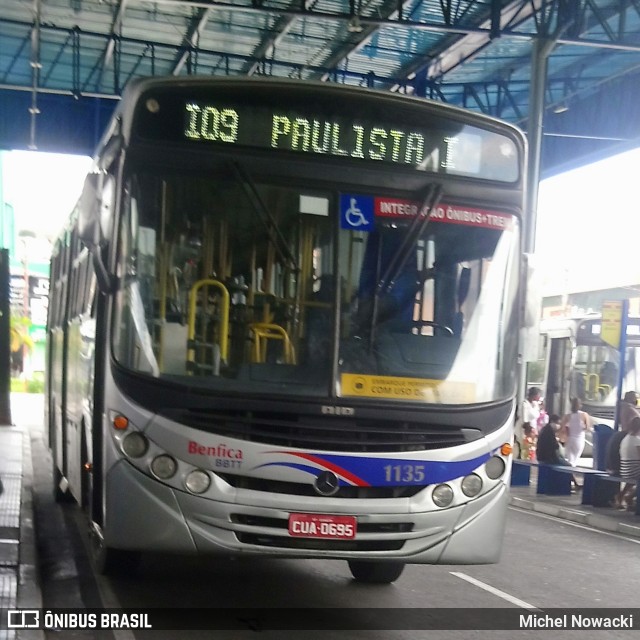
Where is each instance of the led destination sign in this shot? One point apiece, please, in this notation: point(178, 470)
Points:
point(457, 149)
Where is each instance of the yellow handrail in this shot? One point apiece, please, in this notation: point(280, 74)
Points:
point(591, 383)
point(224, 317)
point(264, 331)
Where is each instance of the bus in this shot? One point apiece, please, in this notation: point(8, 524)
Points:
point(576, 362)
point(285, 321)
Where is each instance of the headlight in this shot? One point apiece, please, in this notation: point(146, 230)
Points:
point(197, 481)
point(164, 467)
point(443, 495)
point(471, 485)
point(495, 467)
point(135, 445)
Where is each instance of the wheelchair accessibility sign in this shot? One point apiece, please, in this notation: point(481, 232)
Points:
point(356, 212)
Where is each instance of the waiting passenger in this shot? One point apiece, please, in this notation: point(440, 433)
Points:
point(527, 426)
point(628, 409)
point(548, 449)
point(630, 465)
point(626, 412)
point(573, 427)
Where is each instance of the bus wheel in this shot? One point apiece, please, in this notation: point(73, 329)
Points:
point(116, 562)
point(375, 572)
point(113, 562)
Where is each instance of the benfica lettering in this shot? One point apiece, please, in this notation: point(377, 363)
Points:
point(217, 451)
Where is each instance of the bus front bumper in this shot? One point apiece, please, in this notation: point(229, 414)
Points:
point(145, 514)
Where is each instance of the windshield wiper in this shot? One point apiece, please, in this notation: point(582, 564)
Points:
point(430, 200)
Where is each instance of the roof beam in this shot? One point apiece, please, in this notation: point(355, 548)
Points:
point(467, 46)
point(110, 48)
point(190, 40)
point(271, 40)
point(390, 10)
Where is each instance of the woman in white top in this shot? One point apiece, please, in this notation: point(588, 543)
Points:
point(573, 426)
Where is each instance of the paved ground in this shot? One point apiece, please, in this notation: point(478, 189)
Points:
point(19, 586)
point(18, 562)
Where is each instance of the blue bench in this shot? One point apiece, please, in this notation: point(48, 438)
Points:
point(605, 489)
point(553, 480)
point(598, 488)
point(521, 472)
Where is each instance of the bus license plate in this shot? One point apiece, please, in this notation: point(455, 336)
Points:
point(316, 525)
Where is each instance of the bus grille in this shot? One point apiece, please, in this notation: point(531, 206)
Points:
point(312, 544)
point(301, 489)
point(604, 413)
point(331, 433)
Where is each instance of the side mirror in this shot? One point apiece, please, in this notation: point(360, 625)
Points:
point(98, 196)
point(94, 218)
point(89, 211)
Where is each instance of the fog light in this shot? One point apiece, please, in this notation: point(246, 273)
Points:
point(135, 445)
point(471, 485)
point(164, 467)
point(443, 495)
point(198, 481)
point(495, 467)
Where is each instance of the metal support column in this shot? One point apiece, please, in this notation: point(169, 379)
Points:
point(36, 65)
point(540, 55)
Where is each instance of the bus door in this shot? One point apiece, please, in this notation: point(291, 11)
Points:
point(556, 394)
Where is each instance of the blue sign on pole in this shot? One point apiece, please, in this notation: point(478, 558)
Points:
point(622, 348)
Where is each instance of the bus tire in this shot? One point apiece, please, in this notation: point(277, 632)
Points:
point(108, 561)
point(115, 562)
point(375, 572)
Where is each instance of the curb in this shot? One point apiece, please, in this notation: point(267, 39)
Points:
point(597, 521)
point(29, 594)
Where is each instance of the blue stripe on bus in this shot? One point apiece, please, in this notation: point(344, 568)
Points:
point(385, 471)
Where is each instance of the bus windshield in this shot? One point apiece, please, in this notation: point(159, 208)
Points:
point(243, 285)
point(596, 371)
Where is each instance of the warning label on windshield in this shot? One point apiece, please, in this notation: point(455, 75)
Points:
point(397, 388)
point(453, 214)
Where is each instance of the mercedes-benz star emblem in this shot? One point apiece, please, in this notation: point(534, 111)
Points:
point(327, 483)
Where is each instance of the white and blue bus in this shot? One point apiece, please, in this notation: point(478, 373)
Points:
point(284, 321)
point(576, 362)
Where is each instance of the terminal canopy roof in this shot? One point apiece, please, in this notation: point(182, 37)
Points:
point(478, 54)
